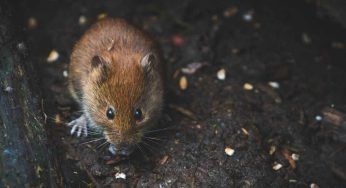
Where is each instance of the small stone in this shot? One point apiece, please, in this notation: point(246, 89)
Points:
point(9, 89)
point(53, 56)
point(177, 40)
point(101, 16)
point(248, 86)
point(272, 150)
point(306, 38)
point(183, 83)
point(235, 51)
point(120, 175)
point(248, 17)
point(21, 46)
point(82, 20)
point(65, 73)
point(57, 119)
point(229, 151)
point(314, 185)
point(231, 11)
point(295, 156)
point(32, 23)
point(274, 85)
point(277, 166)
point(318, 118)
point(221, 74)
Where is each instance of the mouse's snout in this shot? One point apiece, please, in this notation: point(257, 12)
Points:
point(121, 149)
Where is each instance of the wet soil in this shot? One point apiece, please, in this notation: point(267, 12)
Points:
point(255, 42)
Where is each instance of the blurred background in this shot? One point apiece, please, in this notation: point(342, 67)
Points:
point(256, 92)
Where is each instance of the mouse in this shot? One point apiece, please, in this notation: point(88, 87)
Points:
point(116, 75)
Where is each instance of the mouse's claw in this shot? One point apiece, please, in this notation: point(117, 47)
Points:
point(79, 125)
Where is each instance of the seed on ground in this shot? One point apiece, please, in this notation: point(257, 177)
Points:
point(229, 151)
point(248, 86)
point(221, 74)
point(53, 56)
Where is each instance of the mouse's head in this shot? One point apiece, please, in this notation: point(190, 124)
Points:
point(123, 96)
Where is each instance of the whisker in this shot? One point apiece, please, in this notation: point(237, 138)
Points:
point(103, 144)
point(94, 140)
point(151, 148)
point(155, 142)
point(154, 138)
point(158, 130)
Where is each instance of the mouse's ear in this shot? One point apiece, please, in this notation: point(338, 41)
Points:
point(148, 61)
point(96, 61)
point(99, 67)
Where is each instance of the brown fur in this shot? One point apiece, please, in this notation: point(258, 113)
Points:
point(120, 81)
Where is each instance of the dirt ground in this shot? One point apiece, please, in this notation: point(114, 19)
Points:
point(280, 106)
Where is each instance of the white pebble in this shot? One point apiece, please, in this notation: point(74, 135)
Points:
point(120, 175)
point(247, 17)
point(221, 74)
point(82, 20)
point(65, 73)
point(277, 166)
point(8, 89)
point(229, 151)
point(272, 150)
point(295, 156)
point(318, 118)
point(53, 56)
point(314, 185)
point(248, 86)
point(275, 85)
point(306, 38)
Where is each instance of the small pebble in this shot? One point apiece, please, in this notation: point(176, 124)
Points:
point(221, 74)
point(318, 118)
point(247, 17)
point(231, 11)
point(229, 151)
point(306, 38)
point(21, 46)
point(57, 119)
point(9, 89)
point(314, 185)
point(272, 150)
point(248, 86)
point(295, 156)
point(120, 175)
point(183, 83)
point(192, 67)
point(32, 23)
point(82, 20)
point(274, 85)
point(101, 16)
point(53, 56)
point(65, 73)
point(277, 166)
point(177, 40)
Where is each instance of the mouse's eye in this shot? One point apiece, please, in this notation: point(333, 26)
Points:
point(138, 114)
point(110, 113)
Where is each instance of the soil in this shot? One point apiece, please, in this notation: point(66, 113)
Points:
point(256, 42)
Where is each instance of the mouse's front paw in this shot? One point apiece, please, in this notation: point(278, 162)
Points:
point(79, 125)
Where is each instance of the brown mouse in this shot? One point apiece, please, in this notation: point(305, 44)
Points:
point(116, 76)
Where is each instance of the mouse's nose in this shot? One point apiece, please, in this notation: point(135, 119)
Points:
point(121, 149)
